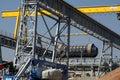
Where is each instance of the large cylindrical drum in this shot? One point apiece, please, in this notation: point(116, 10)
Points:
point(89, 50)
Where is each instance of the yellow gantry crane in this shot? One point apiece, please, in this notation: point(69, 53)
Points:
point(85, 9)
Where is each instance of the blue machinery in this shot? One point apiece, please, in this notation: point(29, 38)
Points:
point(41, 63)
point(68, 16)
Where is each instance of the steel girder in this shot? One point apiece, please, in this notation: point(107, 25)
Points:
point(81, 21)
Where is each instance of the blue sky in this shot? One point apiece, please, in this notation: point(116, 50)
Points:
point(107, 19)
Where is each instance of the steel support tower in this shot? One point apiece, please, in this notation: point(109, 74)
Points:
point(29, 37)
point(26, 38)
point(106, 59)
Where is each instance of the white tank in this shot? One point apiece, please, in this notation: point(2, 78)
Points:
point(52, 74)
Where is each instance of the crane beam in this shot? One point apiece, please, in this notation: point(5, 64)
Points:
point(15, 13)
point(99, 9)
point(10, 13)
point(84, 9)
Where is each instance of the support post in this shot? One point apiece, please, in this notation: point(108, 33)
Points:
point(68, 44)
point(0, 54)
point(106, 58)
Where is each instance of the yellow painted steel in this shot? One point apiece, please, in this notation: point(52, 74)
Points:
point(16, 24)
point(100, 9)
point(10, 13)
point(25, 34)
point(76, 34)
point(14, 13)
point(87, 9)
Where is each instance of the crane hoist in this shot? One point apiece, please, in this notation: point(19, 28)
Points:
point(84, 9)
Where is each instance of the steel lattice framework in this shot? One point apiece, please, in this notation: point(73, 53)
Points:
point(82, 21)
point(28, 38)
point(64, 15)
point(27, 25)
